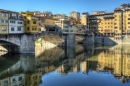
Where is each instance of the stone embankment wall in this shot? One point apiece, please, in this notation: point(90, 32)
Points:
point(111, 40)
point(48, 42)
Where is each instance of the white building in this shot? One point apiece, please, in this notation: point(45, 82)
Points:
point(16, 24)
point(62, 24)
point(17, 80)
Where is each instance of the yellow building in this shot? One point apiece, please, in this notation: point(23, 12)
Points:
point(45, 23)
point(102, 23)
point(110, 23)
point(84, 66)
point(3, 22)
point(84, 19)
point(50, 21)
point(30, 22)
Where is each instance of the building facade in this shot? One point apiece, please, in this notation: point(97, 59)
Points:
point(59, 16)
point(75, 15)
point(110, 23)
point(3, 22)
point(62, 24)
point(16, 24)
point(84, 19)
point(30, 22)
point(43, 14)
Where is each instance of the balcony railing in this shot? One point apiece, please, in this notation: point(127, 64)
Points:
point(109, 16)
point(12, 17)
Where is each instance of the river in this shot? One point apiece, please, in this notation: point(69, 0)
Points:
point(81, 65)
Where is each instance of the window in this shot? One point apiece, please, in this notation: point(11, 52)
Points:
point(20, 78)
point(13, 80)
point(28, 28)
point(2, 21)
point(3, 14)
point(6, 82)
point(128, 22)
point(34, 22)
point(20, 22)
point(13, 14)
point(128, 18)
point(4, 28)
point(33, 28)
point(19, 17)
point(6, 21)
point(28, 22)
point(13, 22)
point(19, 28)
point(71, 30)
point(12, 28)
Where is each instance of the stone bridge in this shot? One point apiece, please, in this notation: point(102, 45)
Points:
point(25, 43)
point(20, 43)
point(25, 64)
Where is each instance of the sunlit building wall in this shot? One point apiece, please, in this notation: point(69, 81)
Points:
point(30, 22)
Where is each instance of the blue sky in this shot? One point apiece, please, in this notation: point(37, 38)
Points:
point(61, 6)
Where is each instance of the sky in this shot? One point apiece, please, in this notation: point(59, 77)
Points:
point(61, 6)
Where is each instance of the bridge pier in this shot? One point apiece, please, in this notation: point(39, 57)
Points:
point(19, 43)
point(27, 44)
point(88, 39)
point(70, 39)
point(70, 52)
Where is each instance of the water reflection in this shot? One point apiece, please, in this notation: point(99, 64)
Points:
point(81, 65)
point(20, 70)
point(113, 60)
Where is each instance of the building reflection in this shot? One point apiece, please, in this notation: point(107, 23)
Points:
point(22, 72)
point(115, 60)
point(22, 80)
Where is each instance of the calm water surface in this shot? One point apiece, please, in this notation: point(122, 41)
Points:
point(81, 65)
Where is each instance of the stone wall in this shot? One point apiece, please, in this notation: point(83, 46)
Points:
point(20, 43)
point(88, 40)
point(111, 40)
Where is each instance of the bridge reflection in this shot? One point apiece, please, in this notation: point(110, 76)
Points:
point(28, 69)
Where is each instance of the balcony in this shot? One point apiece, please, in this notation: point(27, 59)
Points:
point(34, 18)
point(12, 17)
point(109, 16)
point(108, 31)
